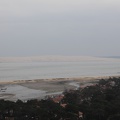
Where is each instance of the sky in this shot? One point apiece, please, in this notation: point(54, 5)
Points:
point(59, 27)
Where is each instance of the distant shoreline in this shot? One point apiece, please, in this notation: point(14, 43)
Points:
point(54, 58)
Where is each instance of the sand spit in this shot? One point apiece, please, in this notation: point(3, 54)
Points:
point(76, 79)
point(39, 88)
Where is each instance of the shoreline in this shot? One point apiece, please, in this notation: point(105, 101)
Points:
point(39, 88)
point(87, 78)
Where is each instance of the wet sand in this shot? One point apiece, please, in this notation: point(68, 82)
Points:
point(39, 88)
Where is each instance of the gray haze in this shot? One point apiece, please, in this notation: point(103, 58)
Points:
point(59, 27)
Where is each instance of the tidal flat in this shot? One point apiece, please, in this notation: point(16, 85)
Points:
point(40, 88)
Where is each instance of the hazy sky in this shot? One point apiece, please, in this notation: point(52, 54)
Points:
point(59, 27)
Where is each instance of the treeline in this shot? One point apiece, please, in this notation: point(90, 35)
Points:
point(100, 101)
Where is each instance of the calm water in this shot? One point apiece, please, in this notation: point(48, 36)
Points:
point(36, 70)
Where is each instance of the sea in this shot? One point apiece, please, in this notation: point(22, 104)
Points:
point(13, 71)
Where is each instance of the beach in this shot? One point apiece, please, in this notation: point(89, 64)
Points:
point(40, 88)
